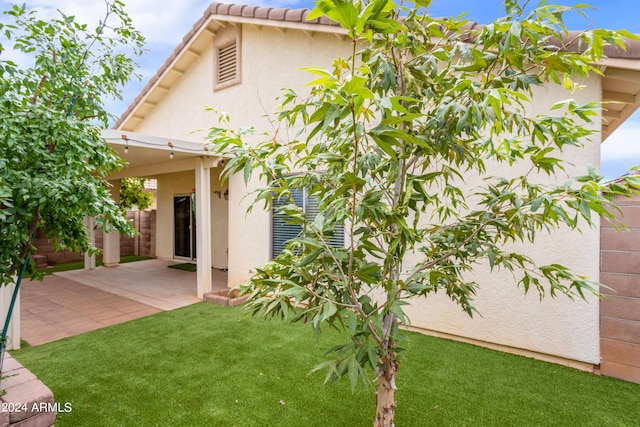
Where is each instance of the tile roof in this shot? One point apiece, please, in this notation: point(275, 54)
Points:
point(272, 13)
point(222, 9)
point(288, 15)
point(571, 40)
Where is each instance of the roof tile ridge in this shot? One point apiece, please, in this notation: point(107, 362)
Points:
point(278, 13)
point(236, 9)
point(295, 15)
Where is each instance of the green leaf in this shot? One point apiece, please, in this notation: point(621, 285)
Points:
point(386, 144)
point(248, 169)
point(354, 373)
point(341, 11)
point(632, 181)
point(310, 258)
point(352, 321)
point(535, 205)
point(328, 311)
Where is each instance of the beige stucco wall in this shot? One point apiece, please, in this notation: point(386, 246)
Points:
point(181, 111)
point(219, 221)
point(181, 114)
point(169, 185)
point(266, 71)
point(558, 327)
point(181, 183)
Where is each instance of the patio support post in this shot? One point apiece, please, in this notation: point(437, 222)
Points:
point(203, 226)
point(111, 241)
point(90, 260)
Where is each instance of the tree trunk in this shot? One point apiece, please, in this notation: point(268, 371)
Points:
point(386, 395)
point(27, 246)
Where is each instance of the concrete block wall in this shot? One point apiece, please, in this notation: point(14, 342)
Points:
point(143, 244)
point(45, 248)
point(148, 233)
point(140, 245)
point(620, 306)
point(127, 244)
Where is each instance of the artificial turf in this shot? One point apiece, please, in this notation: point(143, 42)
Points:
point(206, 365)
point(186, 266)
point(77, 265)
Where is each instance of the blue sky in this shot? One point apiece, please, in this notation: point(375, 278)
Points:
point(164, 22)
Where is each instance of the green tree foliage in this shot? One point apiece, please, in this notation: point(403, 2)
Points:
point(53, 160)
point(401, 143)
point(132, 194)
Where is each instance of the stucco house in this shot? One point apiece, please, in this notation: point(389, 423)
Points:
point(237, 59)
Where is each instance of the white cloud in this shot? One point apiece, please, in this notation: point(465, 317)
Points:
point(621, 150)
point(167, 23)
point(624, 143)
point(164, 22)
point(161, 22)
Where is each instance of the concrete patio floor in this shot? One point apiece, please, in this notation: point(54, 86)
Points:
point(73, 302)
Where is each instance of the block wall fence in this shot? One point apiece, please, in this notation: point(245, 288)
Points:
point(143, 244)
point(620, 305)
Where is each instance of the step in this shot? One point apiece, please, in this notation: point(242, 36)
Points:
point(224, 297)
point(26, 399)
point(40, 260)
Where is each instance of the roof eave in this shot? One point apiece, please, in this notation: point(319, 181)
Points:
point(620, 92)
point(218, 15)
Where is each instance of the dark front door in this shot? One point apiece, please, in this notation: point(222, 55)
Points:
point(184, 242)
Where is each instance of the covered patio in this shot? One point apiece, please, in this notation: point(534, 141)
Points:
point(171, 161)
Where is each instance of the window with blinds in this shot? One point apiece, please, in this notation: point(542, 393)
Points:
point(283, 232)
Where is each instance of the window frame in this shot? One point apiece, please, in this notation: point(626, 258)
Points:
point(336, 241)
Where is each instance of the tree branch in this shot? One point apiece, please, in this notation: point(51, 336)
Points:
point(27, 246)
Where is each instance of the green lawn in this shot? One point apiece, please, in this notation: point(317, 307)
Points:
point(186, 266)
point(206, 365)
point(77, 265)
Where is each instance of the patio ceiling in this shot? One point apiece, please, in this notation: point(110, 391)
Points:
point(148, 155)
point(620, 92)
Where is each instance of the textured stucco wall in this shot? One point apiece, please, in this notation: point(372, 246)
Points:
point(181, 114)
point(169, 185)
point(175, 184)
point(558, 327)
point(266, 71)
point(219, 221)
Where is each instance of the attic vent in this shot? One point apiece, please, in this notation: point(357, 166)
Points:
point(227, 57)
point(227, 64)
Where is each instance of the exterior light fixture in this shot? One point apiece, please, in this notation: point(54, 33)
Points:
point(126, 143)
